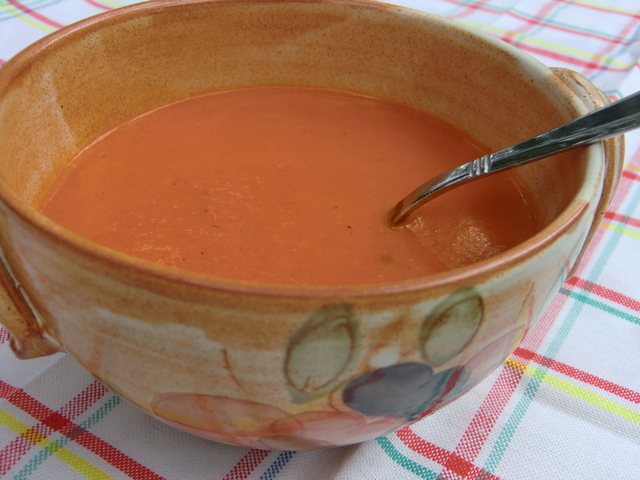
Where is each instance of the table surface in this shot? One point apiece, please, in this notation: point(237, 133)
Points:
point(565, 405)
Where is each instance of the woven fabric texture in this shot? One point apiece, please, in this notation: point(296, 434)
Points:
point(565, 405)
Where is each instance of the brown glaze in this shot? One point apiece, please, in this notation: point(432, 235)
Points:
point(613, 149)
point(177, 343)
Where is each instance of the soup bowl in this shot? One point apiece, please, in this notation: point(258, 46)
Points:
point(268, 366)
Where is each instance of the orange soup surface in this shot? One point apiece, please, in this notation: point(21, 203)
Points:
point(287, 186)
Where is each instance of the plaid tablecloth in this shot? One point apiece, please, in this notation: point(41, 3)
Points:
point(565, 405)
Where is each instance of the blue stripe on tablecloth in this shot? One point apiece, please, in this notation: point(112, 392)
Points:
point(620, 50)
point(538, 24)
point(601, 306)
point(504, 438)
point(394, 454)
point(277, 465)
point(35, 5)
point(45, 453)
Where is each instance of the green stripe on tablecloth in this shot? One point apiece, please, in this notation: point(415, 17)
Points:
point(623, 230)
point(462, 4)
point(404, 461)
point(551, 22)
point(44, 454)
point(540, 24)
point(22, 16)
point(37, 438)
point(112, 3)
point(556, 47)
point(600, 305)
point(508, 431)
point(34, 5)
point(577, 391)
point(606, 6)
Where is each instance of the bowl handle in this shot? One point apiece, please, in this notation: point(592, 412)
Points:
point(594, 98)
point(27, 338)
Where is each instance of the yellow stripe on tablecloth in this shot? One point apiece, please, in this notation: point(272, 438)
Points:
point(587, 56)
point(24, 18)
point(576, 391)
point(611, 8)
point(620, 229)
point(73, 460)
point(112, 3)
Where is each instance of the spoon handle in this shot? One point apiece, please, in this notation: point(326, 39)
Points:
point(613, 119)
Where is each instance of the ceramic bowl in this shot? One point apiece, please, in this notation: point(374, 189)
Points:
point(265, 366)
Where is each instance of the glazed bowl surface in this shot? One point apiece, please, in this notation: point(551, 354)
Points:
point(268, 366)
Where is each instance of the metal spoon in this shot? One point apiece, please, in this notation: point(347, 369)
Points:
point(613, 119)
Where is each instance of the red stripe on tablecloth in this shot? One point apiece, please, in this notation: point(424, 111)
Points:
point(469, 9)
point(17, 448)
point(605, 293)
point(561, 57)
point(616, 201)
point(575, 31)
point(7, 390)
point(601, 8)
point(4, 335)
point(99, 5)
point(598, 64)
point(488, 414)
point(578, 374)
point(616, 217)
point(630, 26)
point(60, 423)
point(543, 12)
point(452, 462)
point(500, 394)
point(35, 14)
point(504, 387)
point(247, 465)
point(84, 400)
point(115, 457)
point(630, 175)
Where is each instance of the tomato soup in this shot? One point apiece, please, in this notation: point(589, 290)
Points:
point(287, 186)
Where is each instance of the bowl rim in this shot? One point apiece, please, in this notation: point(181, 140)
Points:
point(591, 184)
